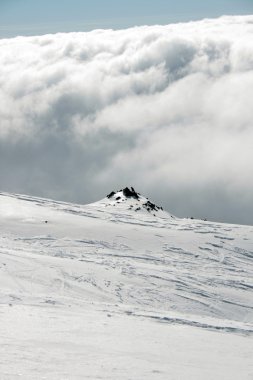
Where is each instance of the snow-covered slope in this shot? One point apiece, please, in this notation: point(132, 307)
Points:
point(121, 277)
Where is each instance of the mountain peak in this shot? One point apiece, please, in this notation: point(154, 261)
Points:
point(128, 193)
point(129, 199)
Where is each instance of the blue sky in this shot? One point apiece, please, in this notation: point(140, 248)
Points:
point(29, 17)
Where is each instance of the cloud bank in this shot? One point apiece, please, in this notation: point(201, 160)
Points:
point(167, 109)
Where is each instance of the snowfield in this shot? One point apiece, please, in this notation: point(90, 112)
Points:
point(121, 289)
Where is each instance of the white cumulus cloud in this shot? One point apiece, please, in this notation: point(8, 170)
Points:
point(167, 109)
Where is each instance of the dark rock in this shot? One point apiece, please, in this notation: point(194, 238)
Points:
point(130, 193)
point(150, 206)
point(111, 194)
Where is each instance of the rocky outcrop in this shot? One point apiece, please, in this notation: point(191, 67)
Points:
point(126, 194)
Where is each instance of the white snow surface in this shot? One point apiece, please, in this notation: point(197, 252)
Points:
point(106, 291)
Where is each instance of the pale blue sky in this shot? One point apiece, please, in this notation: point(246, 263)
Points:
point(29, 17)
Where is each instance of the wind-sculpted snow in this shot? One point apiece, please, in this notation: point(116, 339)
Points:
point(57, 252)
point(168, 105)
point(103, 286)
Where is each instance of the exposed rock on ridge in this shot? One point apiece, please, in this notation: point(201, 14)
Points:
point(129, 194)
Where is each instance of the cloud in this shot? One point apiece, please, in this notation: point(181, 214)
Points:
point(167, 109)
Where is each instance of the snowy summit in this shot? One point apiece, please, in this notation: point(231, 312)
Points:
point(128, 199)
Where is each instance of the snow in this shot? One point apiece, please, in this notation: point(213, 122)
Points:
point(103, 291)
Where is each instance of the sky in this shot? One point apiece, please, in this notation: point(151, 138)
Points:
point(166, 109)
point(29, 17)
